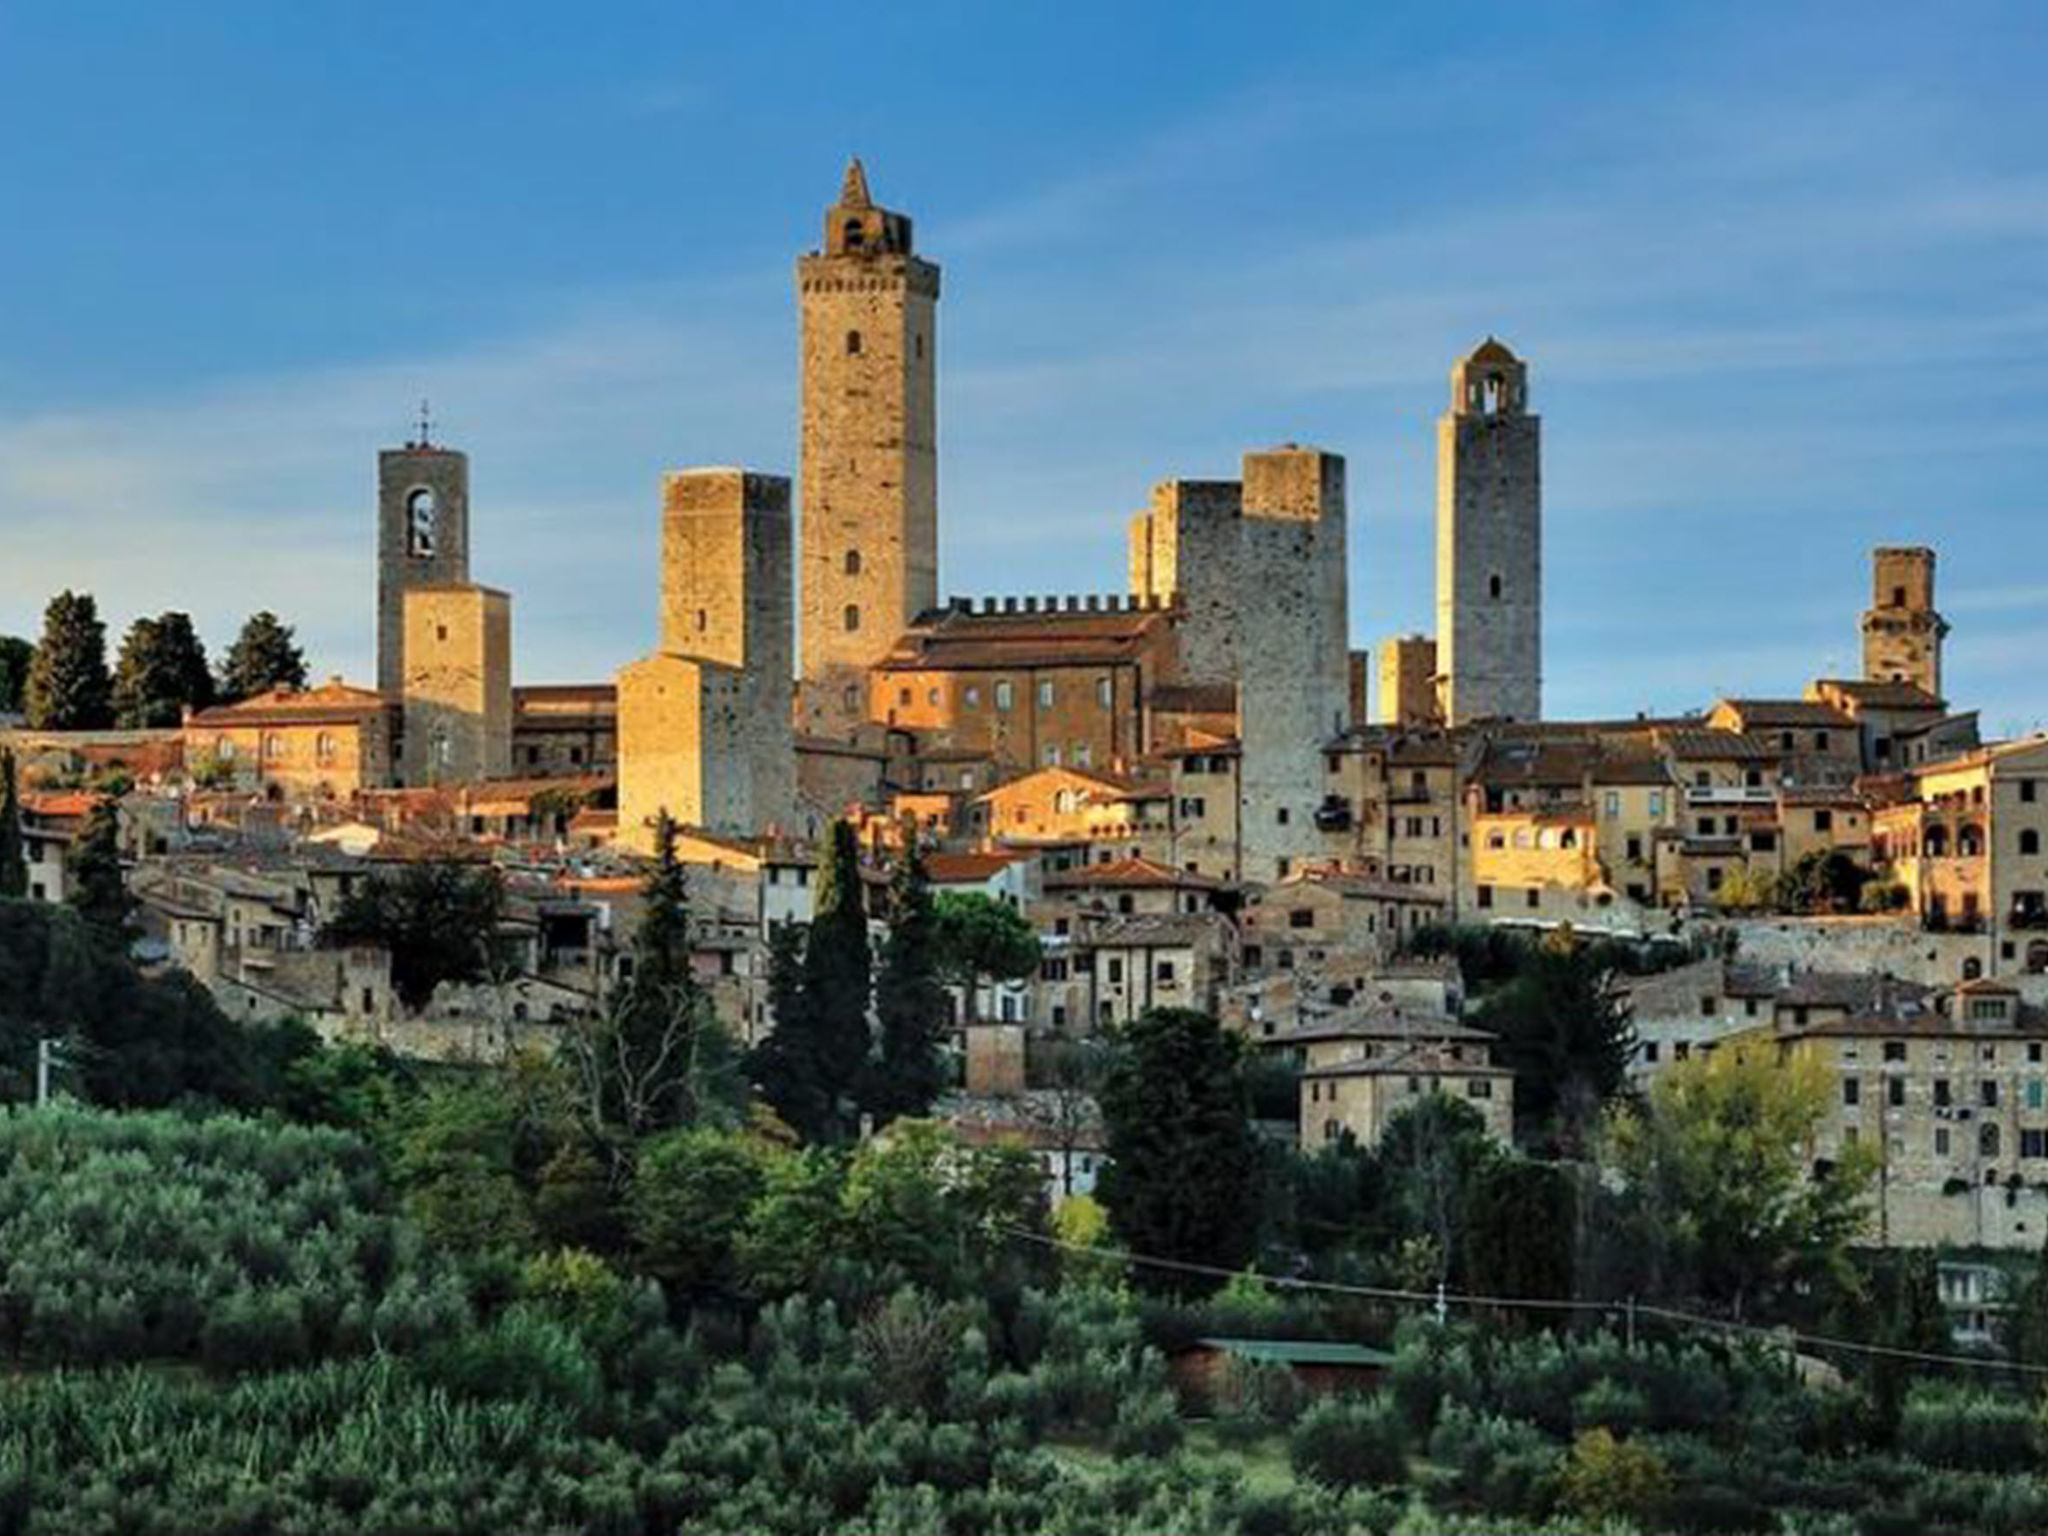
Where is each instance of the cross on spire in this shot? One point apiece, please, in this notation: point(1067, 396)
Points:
point(426, 425)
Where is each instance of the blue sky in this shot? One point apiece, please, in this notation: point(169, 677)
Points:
point(1781, 273)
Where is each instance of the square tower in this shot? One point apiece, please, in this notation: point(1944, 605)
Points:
point(1408, 695)
point(1185, 549)
point(1294, 652)
point(1489, 543)
point(458, 684)
point(704, 722)
point(870, 450)
point(422, 539)
point(1902, 632)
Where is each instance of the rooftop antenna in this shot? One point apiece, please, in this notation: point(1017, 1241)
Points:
point(426, 424)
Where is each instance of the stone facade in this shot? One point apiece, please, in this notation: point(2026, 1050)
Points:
point(704, 722)
point(457, 688)
point(870, 450)
point(422, 540)
point(322, 743)
point(1408, 693)
point(1185, 550)
point(1902, 632)
point(1489, 543)
point(1294, 650)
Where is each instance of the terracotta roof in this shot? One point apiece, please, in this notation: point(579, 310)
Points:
point(1776, 713)
point(286, 706)
point(949, 640)
point(63, 805)
point(1157, 930)
point(963, 868)
point(1881, 693)
point(1707, 744)
point(1382, 1024)
point(1129, 872)
point(1415, 1059)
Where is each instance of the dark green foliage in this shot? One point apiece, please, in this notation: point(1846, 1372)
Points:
point(16, 657)
point(68, 687)
point(13, 854)
point(911, 1007)
point(439, 921)
point(1564, 1032)
point(1492, 1466)
point(97, 888)
point(981, 939)
point(1825, 880)
point(1182, 1181)
point(1351, 1441)
point(1519, 1220)
point(264, 656)
point(1975, 1430)
point(660, 1058)
point(692, 1191)
point(813, 1064)
point(162, 672)
point(1431, 1156)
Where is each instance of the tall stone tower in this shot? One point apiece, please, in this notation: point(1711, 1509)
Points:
point(704, 722)
point(1489, 542)
point(422, 539)
point(1185, 549)
point(1902, 632)
point(870, 449)
point(1293, 650)
point(458, 684)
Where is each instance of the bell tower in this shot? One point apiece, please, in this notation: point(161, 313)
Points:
point(422, 537)
point(1489, 542)
point(870, 537)
point(1902, 631)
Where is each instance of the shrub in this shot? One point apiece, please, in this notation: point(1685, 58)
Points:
point(1609, 1404)
point(1432, 1366)
point(1493, 1465)
point(1610, 1479)
point(1947, 1426)
point(1146, 1425)
point(1345, 1442)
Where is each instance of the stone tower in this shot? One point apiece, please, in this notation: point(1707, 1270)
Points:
point(422, 539)
point(1407, 695)
point(1185, 549)
point(1489, 542)
point(458, 684)
point(1294, 653)
point(870, 450)
point(704, 722)
point(1902, 632)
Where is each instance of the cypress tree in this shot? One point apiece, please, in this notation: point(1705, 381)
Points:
point(13, 856)
point(98, 892)
point(68, 686)
point(162, 670)
point(264, 656)
point(814, 1065)
point(16, 657)
point(910, 1004)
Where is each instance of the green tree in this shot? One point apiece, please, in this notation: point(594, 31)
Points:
point(1564, 1032)
point(1519, 1221)
point(68, 686)
point(97, 889)
point(814, 1063)
point(16, 657)
point(1183, 1171)
point(660, 1057)
point(982, 939)
point(1431, 1155)
point(264, 656)
point(13, 854)
point(438, 920)
point(692, 1192)
point(162, 671)
point(457, 1159)
point(1825, 880)
point(1714, 1167)
point(910, 1004)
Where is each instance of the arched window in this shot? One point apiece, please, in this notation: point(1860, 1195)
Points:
point(2030, 841)
point(853, 343)
point(703, 620)
point(323, 745)
point(854, 234)
point(1970, 841)
point(273, 745)
point(1972, 968)
point(852, 617)
point(224, 748)
point(853, 562)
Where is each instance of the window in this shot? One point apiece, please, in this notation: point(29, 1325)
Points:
point(1987, 1140)
point(273, 745)
point(1895, 1050)
point(853, 562)
point(1493, 587)
point(1052, 754)
point(1301, 917)
point(1656, 802)
point(441, 632)
point(1895, 1092)
point(1005, 695)
point(852, 617)
point(1987, 1093)
point(1823, 821)
point(2034, 1093)
point(1105, 691)
point(2034, 1143)
point(1635, 850)
point(1485, 895)
point(1650, 1052)
point(1116, 971)
point(2027, 790)
point(323, 747)
point(1045, 694)
point(2030, 841)
point(420, 514)
point(1613, 802)
point(1706, 1007)
point(1852, 1091)
point(973, 696)
point(1943, 1094)
point(1083, 754)
point(1163, 970)
point(1941, 1141)
point(1534, 897)
point(853, 343)
point(903, 697)
point(1479, 1088)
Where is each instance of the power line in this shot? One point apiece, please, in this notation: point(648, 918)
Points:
point(1769, 1333)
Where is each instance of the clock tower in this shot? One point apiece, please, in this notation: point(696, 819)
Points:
point(422, 538)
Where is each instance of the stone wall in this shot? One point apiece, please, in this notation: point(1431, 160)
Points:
point(402, 561)
point(1186, 549)
point(458, 684)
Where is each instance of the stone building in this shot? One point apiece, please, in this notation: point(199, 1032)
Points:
point(1362, 1068)
point(422, 539)
point(565, 730)
point(1408, 692)
point(457, 685)
point(704, 722)
point(1186, 550)
point(321, 743)
point(870, 449)
point(1902, 632)
point(1489, 543)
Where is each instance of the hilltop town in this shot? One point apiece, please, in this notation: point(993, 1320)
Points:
point(1183, 779)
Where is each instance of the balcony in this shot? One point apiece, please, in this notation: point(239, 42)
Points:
point(1731, 794)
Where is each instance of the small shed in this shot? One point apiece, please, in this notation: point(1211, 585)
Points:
point(1321, 1366)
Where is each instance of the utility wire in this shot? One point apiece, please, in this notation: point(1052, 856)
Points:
point(1768, 1333)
